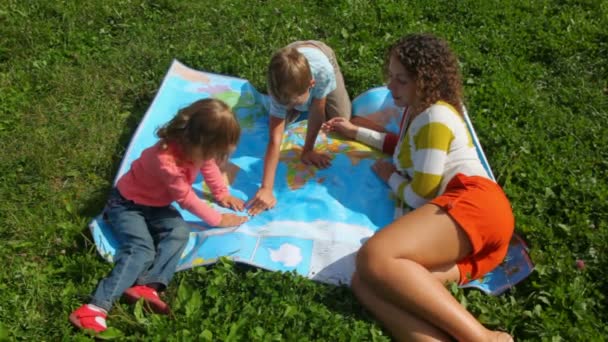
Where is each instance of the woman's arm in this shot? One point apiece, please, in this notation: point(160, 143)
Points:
point(431, 144)
point(386, 142)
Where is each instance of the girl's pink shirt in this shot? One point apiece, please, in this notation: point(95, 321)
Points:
point(159, 177)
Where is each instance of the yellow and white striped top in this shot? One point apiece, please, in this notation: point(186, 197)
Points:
point(434, 148)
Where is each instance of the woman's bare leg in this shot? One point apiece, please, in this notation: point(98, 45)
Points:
point(402, 325)
point(395, 263)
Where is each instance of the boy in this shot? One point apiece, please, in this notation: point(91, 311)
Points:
point(303, 76)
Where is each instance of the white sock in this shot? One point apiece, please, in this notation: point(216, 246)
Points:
point(97, 308)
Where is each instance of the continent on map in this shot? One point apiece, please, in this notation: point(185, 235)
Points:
point(288, 254)
point(188, 74)
point(239, 95)
point(297, 172)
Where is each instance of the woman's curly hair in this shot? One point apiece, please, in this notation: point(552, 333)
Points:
point(433, 66)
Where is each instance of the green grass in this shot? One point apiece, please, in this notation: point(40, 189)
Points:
point(76, 78)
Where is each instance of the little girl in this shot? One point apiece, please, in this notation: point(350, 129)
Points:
point(151, 231)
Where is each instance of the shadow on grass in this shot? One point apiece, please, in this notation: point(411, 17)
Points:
point(338, 299)
point(95, 204)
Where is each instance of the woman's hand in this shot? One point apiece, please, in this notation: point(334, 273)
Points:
point(340, 125)
point(384, 169)
point(232, 202)
point(232, 220)
point(263, 200)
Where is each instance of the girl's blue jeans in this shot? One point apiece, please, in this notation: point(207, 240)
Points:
point(151, 240)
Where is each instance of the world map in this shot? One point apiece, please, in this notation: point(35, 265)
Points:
point(323, 216)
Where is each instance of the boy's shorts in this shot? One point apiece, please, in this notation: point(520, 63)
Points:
point(482, 210)
point(338, 102)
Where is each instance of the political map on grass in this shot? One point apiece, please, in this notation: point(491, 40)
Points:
point(322, 216)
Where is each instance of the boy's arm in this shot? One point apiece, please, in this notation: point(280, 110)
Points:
point(264, 199)
point(316, 117)
point(273, 150)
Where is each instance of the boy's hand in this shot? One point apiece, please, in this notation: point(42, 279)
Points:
point(340, 125)
point(384, 169)
point(263, 200)
point(232, 202)
point(320, 160)
point(232, 220)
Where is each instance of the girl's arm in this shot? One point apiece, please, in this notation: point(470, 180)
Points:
point(182, 193)
point(214, 179)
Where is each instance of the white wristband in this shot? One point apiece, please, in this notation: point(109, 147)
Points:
point(370, 137)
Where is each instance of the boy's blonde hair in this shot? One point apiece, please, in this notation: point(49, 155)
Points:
point(209, 124)
point(289, 75)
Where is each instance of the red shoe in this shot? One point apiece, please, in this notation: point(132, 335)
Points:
point(87, 317)
point(150, 296)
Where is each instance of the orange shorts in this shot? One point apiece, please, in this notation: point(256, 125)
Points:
point(483, 211)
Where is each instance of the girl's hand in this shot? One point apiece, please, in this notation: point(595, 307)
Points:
point(232, 202)
point(320, 160)
point(232, 220)
point(384, 169)
point(263, 200)
point(340, 125)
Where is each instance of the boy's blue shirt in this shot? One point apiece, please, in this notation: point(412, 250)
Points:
point(325, 81)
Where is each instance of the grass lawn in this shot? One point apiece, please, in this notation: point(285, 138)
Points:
point(77, 76)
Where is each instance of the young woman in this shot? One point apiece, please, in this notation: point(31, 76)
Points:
point(459, 222)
